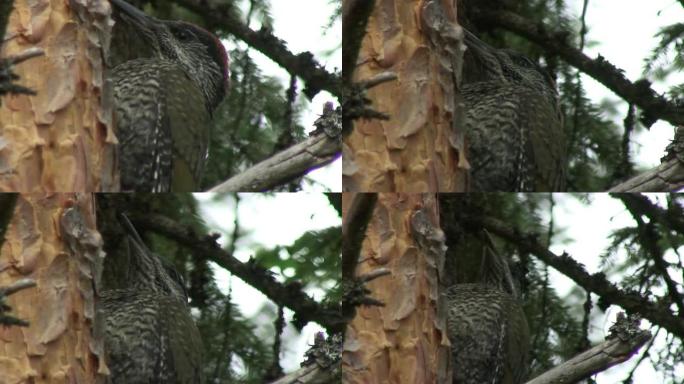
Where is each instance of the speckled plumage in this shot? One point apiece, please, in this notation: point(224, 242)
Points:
point(164, 100)
point(486, 325)
point(150, 336)
point(162, 127)
point(513, 122)
point(489, 335)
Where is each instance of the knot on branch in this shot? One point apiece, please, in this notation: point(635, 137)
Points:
point(330, 122)
point(626, 327)
point(325, 352)
point(675, 150)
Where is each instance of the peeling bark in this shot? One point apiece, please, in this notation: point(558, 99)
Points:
point(59, 344)
point(60, 139)
point(421, 147)
point(405, 340)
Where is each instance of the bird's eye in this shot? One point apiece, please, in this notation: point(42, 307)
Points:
point(182, 34)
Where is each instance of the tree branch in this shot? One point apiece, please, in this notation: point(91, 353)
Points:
point(666, 177)
point(7, 77)
point(289, 295)
point(321, 148)
point(296, 161)
point(15, 287)
point(614, 350)
point(322, 364)
point(673, 219)
point(356, 103)
point(312, 374)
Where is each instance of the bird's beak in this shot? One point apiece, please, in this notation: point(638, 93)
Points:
point(476, 46)
point(131, 11)
point(135, 17)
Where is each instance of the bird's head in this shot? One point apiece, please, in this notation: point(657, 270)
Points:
point(199, 53)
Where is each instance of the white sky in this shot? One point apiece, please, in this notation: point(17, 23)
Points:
point(268, 221)
point(304, 31)
point(586, 230)
point(625, 35)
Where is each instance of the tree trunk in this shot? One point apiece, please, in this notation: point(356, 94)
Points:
point(60, 139)
point(405, 340)
point(60, 251)
point(421, 147)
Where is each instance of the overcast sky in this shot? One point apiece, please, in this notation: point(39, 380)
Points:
point(302, 27)
point(269, 220)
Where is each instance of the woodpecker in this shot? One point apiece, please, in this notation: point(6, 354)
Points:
point(164, 94)
point(513, 123)
point(150, 336)
point(490, 338)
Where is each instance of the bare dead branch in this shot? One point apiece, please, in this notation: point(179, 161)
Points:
point(614, 350)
